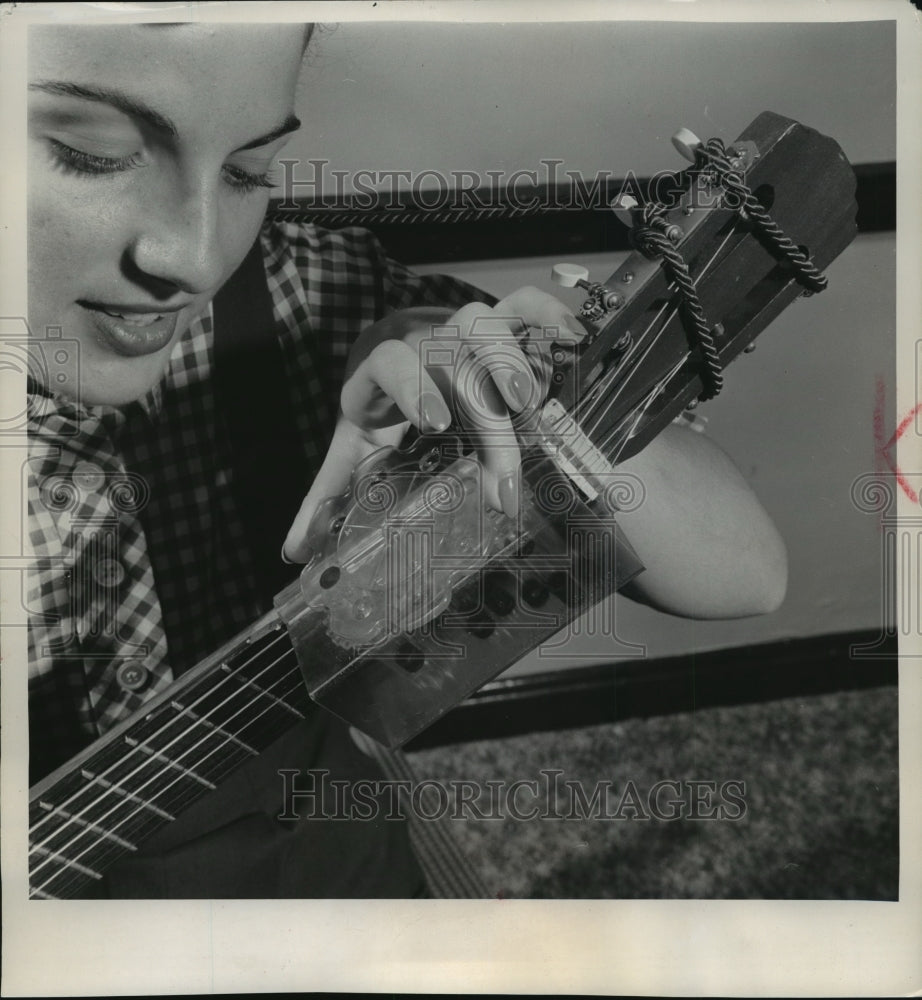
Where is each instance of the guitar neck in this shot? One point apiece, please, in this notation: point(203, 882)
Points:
point(141, 775)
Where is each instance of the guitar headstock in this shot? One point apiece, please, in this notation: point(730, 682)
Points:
point(720, 250)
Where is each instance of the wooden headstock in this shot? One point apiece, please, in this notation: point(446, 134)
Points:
point(642, 364)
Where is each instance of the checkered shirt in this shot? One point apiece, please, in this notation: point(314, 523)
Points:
point(140, 565)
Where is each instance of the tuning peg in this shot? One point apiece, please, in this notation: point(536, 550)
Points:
point(623, 206)
point(569, 275)
point(686, 142)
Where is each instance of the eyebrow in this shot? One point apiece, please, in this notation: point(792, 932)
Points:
point(291, 124)
point(137, 109)
point(115, 98)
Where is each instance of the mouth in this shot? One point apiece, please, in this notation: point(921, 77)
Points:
point(129, 332)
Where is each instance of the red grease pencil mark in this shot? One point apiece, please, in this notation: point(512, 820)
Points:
point(884, 449)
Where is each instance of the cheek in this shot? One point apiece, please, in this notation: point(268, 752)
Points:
point(80, 231)
point(72, 236)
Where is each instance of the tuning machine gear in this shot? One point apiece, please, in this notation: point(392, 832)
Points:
point(601, 299)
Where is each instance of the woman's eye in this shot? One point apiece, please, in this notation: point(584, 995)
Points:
point(81, 162)
point(246, 180)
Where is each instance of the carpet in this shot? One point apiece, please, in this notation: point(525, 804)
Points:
point(790, 799)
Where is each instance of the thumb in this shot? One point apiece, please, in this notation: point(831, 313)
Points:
point(348, 447)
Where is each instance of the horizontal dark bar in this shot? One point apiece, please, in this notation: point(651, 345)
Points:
point(611, 692)
point(546, 221)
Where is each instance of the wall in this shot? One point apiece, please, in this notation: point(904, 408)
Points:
point(600, 96)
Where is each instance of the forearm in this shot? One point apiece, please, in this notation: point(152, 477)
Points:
point(709, 547)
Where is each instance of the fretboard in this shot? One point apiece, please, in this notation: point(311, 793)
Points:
point(142, 774)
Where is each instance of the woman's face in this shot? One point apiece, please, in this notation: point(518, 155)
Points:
point(148, 152)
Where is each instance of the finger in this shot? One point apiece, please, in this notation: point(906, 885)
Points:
point(346, 450)
point(398, 325)
point(391, 385)
point(490, 340)
point(483, 413)
point(542, 312)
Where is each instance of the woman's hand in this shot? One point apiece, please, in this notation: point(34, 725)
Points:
point(474, 369)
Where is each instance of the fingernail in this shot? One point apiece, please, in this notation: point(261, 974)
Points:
point(433, 412)
point(574, 325)
point(509, 494)
point(521, 389)
point(303, 555)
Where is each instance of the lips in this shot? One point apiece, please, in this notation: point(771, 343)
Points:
point(131, 333)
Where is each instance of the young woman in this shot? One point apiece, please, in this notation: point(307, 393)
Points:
point(150, 148)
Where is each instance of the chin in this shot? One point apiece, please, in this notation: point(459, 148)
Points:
point(123, 381)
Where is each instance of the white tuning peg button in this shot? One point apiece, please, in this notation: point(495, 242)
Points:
point(569, 275)
point(623, 206)
point(686, 142)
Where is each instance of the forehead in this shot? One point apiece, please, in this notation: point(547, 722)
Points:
point(196, 71)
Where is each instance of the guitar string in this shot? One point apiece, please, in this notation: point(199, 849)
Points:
point(604, 405)
point(594, 410)
point(609, 402)
point(227, 678)
point(613, 375)
point(591, 406)
point(237, 692)
point(640, 412)
point(104, 841)
point(70, 867)
point(70, 873)
point(76, 817)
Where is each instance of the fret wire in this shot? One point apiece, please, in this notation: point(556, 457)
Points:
point(203, 720)
point(264, 724)
point(62, 835)
point(108, 849)
point(278, 701)
point(64, 883)
point(298, 686)
point(118, 790)
point(222, 681)
point(67, 818)
point(147, 760)
point(178, 780)
point(186, 772)
point(43, 895)
point(53, 856)
point(101, 852)
point(100, 857)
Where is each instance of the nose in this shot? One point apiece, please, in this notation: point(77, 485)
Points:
point(178, 243)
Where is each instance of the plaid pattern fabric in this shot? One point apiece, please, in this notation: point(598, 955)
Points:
point(141, 566)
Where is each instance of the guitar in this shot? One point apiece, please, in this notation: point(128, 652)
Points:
point(416, 594)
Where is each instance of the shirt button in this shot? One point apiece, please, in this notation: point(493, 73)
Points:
point(88, 476)
point(132, 676)
point(109, 572)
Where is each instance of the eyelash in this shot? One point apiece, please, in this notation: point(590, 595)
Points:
point(87, 163)
point(245, 181)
